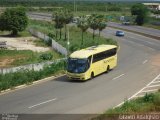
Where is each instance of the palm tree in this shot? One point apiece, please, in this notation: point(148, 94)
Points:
point(67, 19)
point(101, 25)
point(93, 24)
point(59, 20)
point(83, 25)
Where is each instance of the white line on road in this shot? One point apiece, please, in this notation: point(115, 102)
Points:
point(139, 91)
point(118, 77)
point(139, 96)
point(149, 90)
point(42, 103)
point(145, 61)
point(156, 82)
point(158, 78)
point(152, 86)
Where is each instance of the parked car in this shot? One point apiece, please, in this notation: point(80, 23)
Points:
point(75, 19)
point(119, 33)
point(126, 23)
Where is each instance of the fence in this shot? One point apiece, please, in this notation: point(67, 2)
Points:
point(36, 67)
point(56, 46)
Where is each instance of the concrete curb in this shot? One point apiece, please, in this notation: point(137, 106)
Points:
point(30, 84)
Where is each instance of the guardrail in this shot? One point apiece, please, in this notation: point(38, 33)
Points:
point(55, 45)
point(35, 67)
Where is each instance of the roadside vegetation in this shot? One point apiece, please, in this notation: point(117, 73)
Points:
point(11, 80)
point(150, 103)
point(24, 33)
point(14, 20)
point(40, 43)
point(75, 35)
point(10, 58)
point(141, 13)
point(153, 23)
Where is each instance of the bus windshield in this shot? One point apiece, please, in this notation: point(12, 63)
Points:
point(77, 65)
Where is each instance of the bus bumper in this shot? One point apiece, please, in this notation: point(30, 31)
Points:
point(75, 76)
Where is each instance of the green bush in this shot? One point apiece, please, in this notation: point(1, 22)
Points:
point(51, 35)
point(73, 48)
point(148, 97)
point(46, 56)
point(156, 100)
point(22, 76)
point(49, 42)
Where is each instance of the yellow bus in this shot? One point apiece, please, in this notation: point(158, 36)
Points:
point(87, 63)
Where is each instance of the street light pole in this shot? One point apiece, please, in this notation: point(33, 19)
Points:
point(74, 6)
point(68, 43)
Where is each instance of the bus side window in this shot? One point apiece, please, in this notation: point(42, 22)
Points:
point(90, 59)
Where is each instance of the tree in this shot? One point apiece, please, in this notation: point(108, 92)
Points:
point(83, 25)
point(14, 20)
point(59, 20)
point(101, 23)
point(62, 18)
point(141, 13)
point(67, 19)
point(93, 24)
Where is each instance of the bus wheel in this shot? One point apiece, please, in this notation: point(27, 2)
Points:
point(108, 68)
point(92, 75)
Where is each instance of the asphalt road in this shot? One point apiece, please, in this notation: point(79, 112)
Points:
point(95, 96)
point(154, 33)
point(140, 29)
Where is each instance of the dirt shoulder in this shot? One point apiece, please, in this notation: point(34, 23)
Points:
point(22, 43)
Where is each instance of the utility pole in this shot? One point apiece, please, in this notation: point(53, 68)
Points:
point(74, 6)
point(68, 43)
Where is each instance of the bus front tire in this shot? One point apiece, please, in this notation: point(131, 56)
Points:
point(92, 75)
point(108, 69)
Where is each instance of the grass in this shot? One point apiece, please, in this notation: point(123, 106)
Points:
point(75, 35)
point(10, 58)
point(24, 33)
point(40, 43)
point(11, 80)
point(152, 26)
point(150, 103)
point(152, 23)
point(106, 13)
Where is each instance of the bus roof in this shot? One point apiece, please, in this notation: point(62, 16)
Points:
point(85, 53)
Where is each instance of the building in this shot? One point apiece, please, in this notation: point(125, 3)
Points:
point(153, 6)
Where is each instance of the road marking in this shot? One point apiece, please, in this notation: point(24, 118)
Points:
point(42, 103)
point(149, 90)
point(139, 90)
point(145, 61)
point(156, 82)
point(118, 76)
point(152, 86)
point(139, 96)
